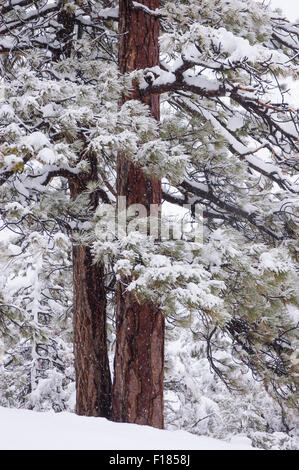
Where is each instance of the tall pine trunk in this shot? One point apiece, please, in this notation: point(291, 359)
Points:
point(93, 380)
point(137, 394)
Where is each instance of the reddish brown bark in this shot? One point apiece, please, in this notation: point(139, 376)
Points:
point(137, 395)
point(93, 380)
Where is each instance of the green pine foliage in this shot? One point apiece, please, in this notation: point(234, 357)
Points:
point(227, 143)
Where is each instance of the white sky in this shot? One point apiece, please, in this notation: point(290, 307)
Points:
point(291, 10)
point(289, 7)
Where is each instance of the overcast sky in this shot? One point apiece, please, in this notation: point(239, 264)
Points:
point(291, 10)
point(289, 7)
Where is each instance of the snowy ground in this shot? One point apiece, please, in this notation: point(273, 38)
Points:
point(25, 430)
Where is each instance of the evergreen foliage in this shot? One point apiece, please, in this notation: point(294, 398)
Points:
point(227, 142)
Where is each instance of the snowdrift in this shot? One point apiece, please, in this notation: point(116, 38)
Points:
point(30, 430)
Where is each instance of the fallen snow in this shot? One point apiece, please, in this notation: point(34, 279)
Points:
point(109, 13)
point(293, 312)
point(30, 430)
point(201, 82)
point(140, 6)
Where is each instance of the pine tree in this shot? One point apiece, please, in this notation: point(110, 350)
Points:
point(77, 126)
point(139, 358)
point(36, 285)
point(57, 153)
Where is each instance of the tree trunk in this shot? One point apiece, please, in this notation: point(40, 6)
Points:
point(137, 395)
point(93, 380)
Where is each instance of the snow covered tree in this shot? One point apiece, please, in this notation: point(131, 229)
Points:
point(80, 127)
point(139, 357)
point(55, 150)
point(37, 370)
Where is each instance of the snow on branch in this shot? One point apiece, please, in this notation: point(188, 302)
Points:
point(199, 193)
point(31, 16)
point(109, 13)
point(156, 80)
point(139, 6)
point(8, 6)
point(237, 147)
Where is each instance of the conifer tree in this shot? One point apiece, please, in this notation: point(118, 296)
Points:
point(139, 358)
point(79, 126)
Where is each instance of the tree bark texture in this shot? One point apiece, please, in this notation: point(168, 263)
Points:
point(93, 380)
point(137, 395)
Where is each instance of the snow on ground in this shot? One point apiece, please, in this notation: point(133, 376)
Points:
point(30, 430)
